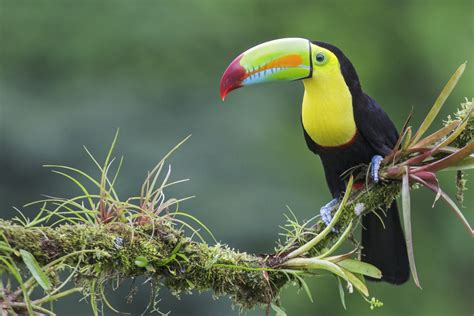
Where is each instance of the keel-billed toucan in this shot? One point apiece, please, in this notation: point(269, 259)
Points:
point(341, 124)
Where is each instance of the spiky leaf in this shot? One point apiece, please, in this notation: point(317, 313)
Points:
point(407, 223)
point(448, 88)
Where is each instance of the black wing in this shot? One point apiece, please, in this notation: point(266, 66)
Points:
point(383, 245)
point(375, 125)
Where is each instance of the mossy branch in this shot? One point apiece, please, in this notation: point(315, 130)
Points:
point(166, 255)
point(118, 250)
point(116, 240)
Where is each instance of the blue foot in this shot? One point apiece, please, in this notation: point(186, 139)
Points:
point(374, 167)
point(325, 212)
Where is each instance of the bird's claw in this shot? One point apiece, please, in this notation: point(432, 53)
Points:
point(375, 167)
point(325, 212)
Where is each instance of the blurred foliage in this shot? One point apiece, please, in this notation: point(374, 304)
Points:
point(72, 72)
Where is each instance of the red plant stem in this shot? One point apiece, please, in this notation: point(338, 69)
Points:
point(449, 160)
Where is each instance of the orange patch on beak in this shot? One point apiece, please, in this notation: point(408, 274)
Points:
point(280, 62)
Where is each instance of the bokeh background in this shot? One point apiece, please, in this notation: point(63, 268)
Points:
point(72, 72)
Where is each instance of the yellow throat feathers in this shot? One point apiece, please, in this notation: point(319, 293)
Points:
point(327, 111)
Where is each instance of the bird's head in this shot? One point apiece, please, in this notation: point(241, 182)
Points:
point(287, 59)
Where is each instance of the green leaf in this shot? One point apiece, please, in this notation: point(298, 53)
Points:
point(13, 270)
point(93, 298)
point(313, 242)
point(448, 88)
point(324, 264)
point(5, 247)
point(278, 310)
point(104, 299)
point(407, 223)
point(315, 264)
point(141, 261)
point(360, 267)
point(80, 185)
point(304, 286)
point(198, 222)
point(341, 292)
point(357, 283)
point(35, 270)
point(407, 140)
point(338, 243)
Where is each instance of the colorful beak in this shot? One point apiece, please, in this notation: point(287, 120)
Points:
point(279, 60)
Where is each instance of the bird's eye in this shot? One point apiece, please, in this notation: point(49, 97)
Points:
point(320, 58)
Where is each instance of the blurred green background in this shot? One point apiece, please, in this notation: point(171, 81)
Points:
point(73, 71)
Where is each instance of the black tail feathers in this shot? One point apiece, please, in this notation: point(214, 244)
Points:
point(385, 248)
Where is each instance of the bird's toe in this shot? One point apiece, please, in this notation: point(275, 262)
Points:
point(326, 210)
point(375, 167)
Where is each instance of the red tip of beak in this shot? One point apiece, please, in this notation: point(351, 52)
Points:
point(232, 77)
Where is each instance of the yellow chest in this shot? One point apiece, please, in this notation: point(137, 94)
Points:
point(327, 111)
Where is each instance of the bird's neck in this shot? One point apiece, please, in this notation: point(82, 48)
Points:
point(327, 111)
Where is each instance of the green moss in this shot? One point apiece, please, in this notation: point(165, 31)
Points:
point(191, 266)
point(464, 112)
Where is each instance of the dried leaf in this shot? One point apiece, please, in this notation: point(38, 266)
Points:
point(465, 164)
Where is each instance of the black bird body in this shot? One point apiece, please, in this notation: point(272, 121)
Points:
point(376, 134)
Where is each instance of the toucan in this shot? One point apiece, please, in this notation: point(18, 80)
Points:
point(341, 124)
